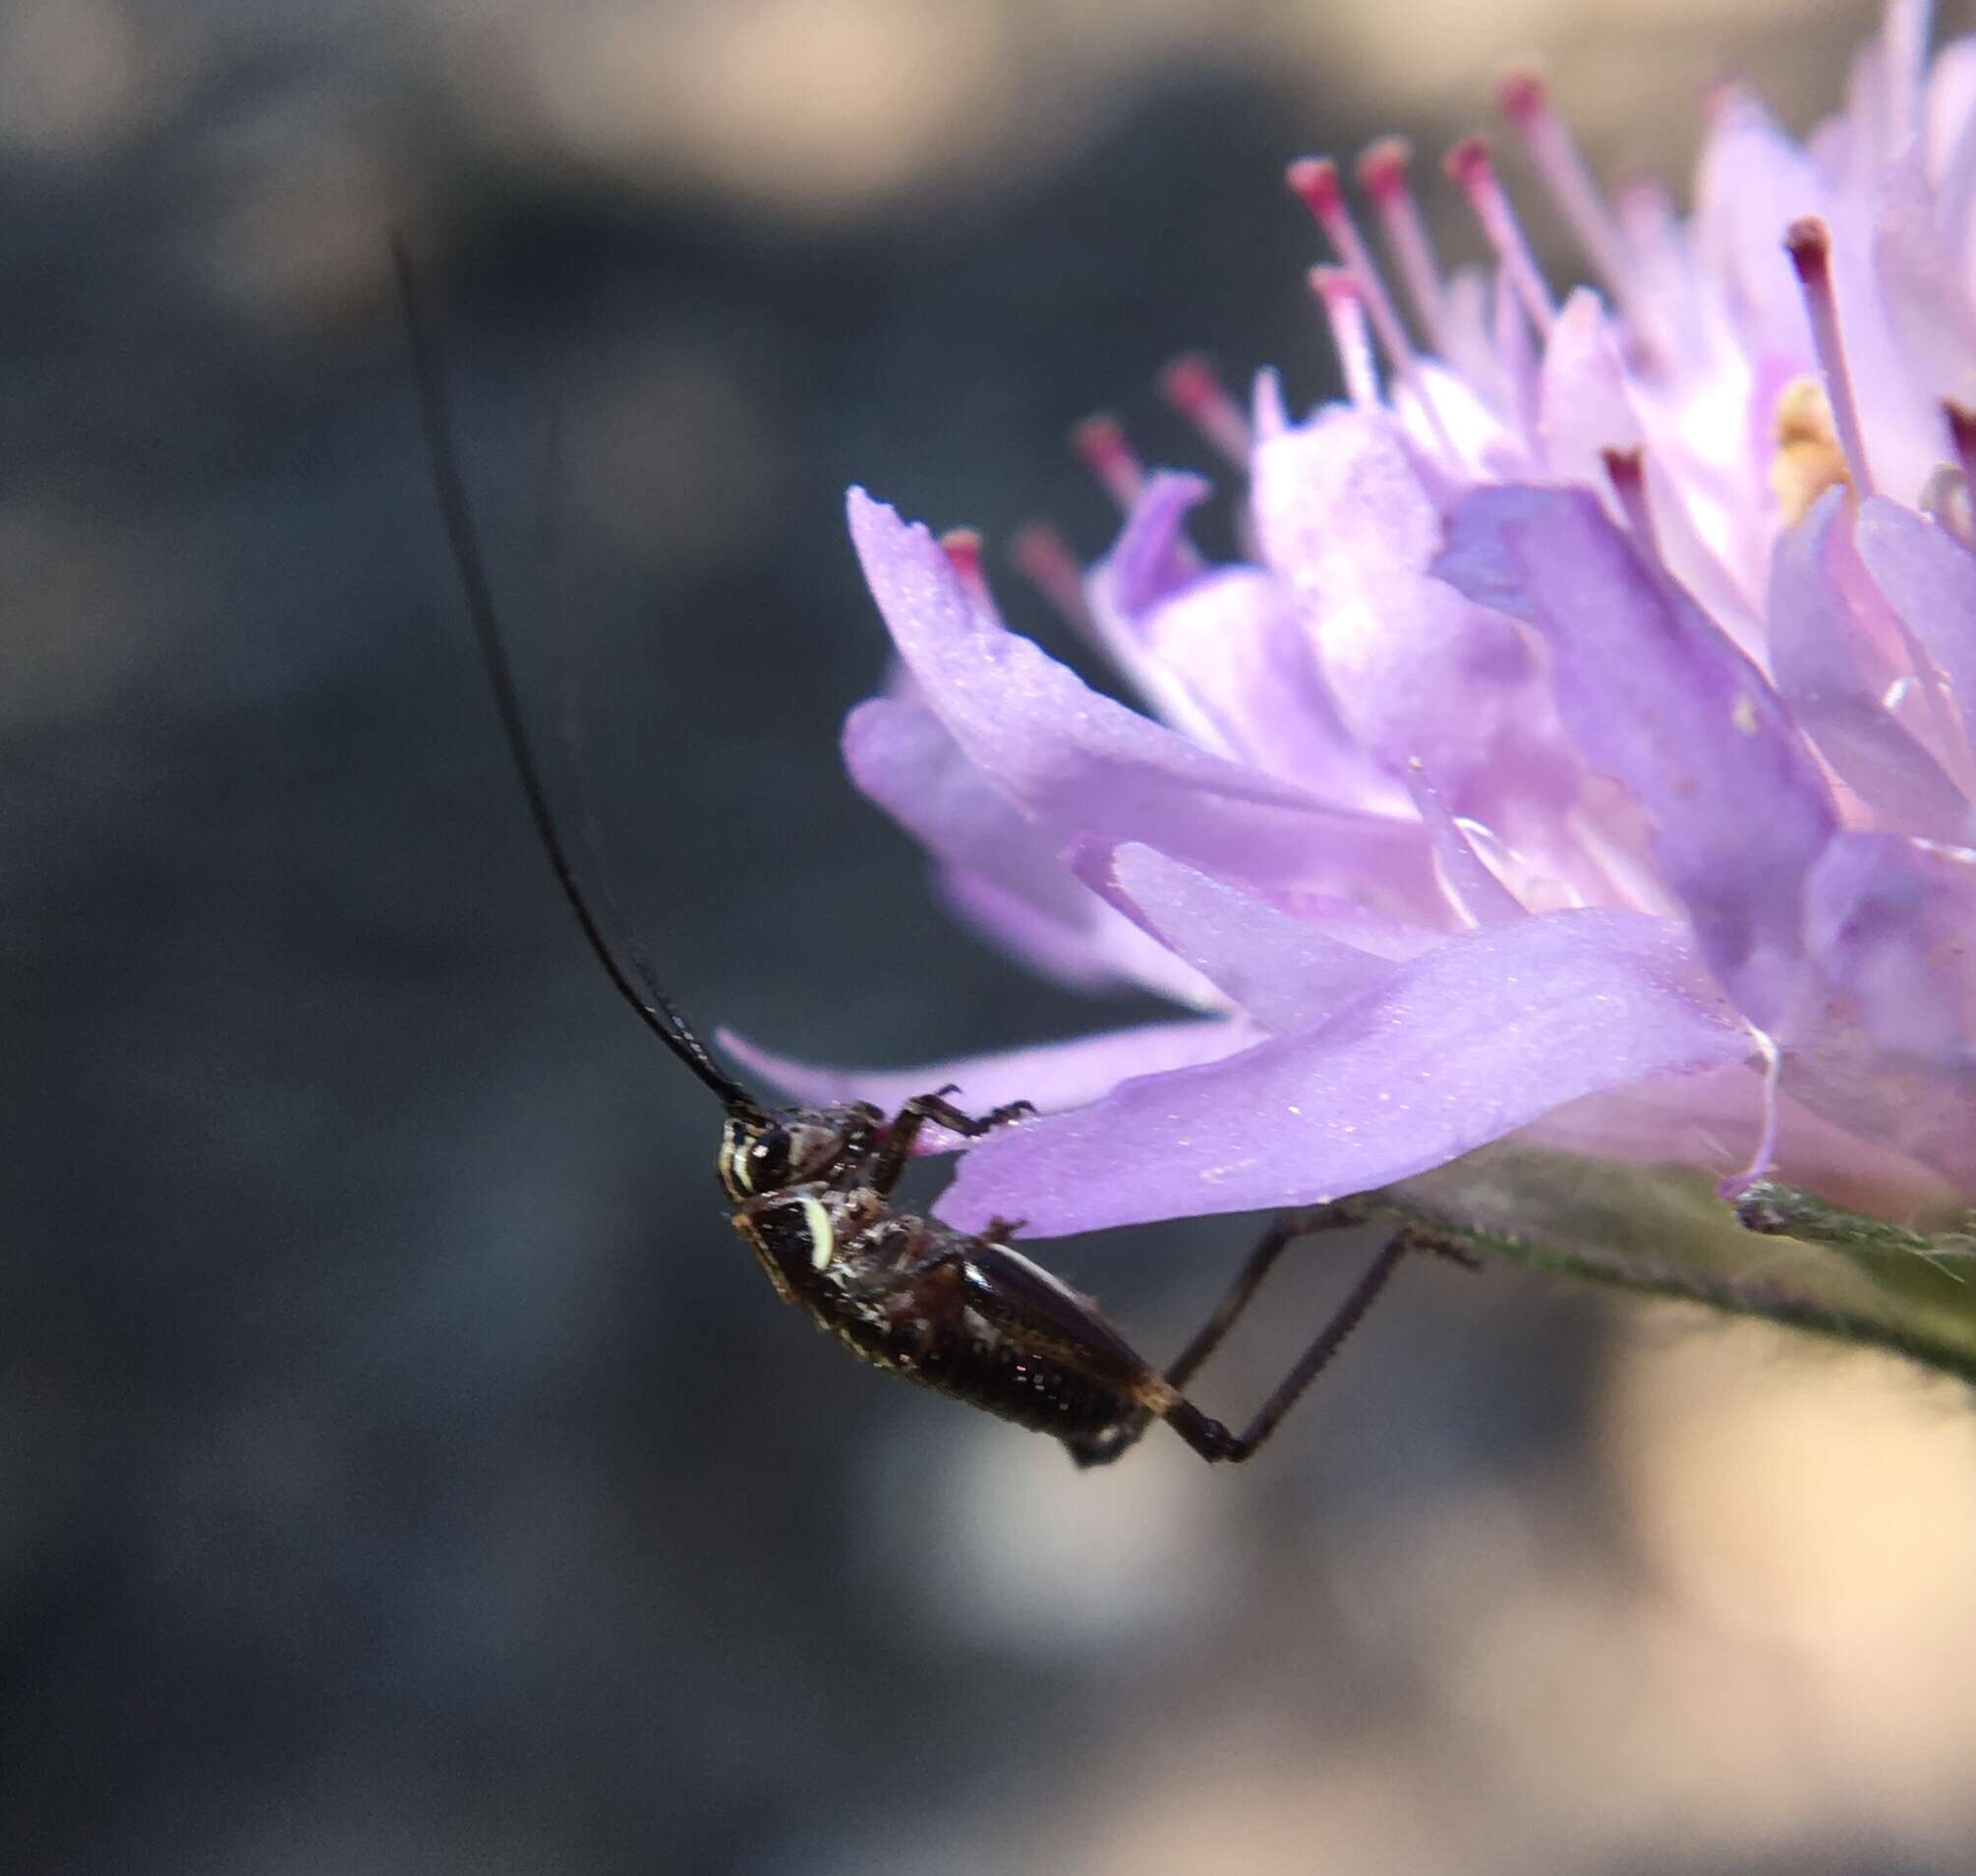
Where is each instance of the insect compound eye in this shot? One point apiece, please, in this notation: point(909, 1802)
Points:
point(770, 1158)
point(758, 1156)
point(754, 1158)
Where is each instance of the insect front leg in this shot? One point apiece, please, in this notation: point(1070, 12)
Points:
point(892, 1160)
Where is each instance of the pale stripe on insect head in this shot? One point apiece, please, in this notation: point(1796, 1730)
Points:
point(739, 1179)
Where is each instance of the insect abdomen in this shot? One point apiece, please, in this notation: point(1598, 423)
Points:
point(1015, 1384)
point(960, 1316)
point(968, 1359)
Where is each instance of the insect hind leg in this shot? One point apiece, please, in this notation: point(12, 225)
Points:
point(1207, 1436)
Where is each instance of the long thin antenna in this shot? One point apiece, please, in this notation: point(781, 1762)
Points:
point(660, 1015)
point(569, 724)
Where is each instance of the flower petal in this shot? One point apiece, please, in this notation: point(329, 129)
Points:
point(1753, 182)
point(1656, 695)
point(1150, 562)
point(1267, 414)
point(1343, 514)
point(1583, 408)
point(1823, 657)
point(1001, 872)
point(1892, 922)
point(1284, 973)
point(1478, 896)
point(1374, 933)
point(1442, 410)
point(1708, 1121)
point(1221, 655)
point(1458, 1048)
point(1230, 650)
point(1151, 558)
point(1105, 951)
point(1908, 1106)
point(1050, 1076)
point(1516, 361)
point(1927, 303)
point(901, 758)
point(1951, 139)
point(1930, 582)
point(1092, 773)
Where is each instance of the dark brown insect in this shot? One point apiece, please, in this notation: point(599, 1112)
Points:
point(811, 1186)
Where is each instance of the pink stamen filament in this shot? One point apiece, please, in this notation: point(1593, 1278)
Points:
point(1646, 215)
point(1962, 438)
point(1526, 102)
point(1509, 334)
point(1904, 46)
point(1100, 446)
point(1044, 559)
point(1470, 168)
point(963, 547)
point(1808, 241)
point(1652, 235)
point(1382, 174)
point(1627, 469)
point(1190, 385)
point(1338, 293)
point(1314, 182)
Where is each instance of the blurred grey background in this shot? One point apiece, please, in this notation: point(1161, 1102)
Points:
point(401, 1468)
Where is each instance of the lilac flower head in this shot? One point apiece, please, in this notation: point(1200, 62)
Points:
point(1583, 749)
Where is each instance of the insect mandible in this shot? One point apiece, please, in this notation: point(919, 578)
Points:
point(810, 1188)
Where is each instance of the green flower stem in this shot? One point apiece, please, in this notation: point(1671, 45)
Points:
point(1777, 1255)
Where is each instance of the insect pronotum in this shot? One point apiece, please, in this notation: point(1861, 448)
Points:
point(810, 1188)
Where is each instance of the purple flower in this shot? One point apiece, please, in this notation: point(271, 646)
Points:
point(1584, 750)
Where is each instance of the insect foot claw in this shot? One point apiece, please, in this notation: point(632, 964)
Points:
point(1000, 1230)
point(1010, 1111)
